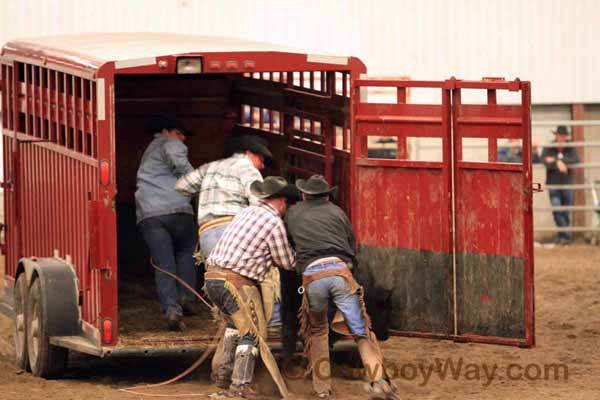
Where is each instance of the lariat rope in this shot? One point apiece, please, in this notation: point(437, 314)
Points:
point(197, 363)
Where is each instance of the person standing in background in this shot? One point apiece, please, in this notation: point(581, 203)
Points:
point(558, 161)
point(165, 217)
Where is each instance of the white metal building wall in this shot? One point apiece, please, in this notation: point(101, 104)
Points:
point(553, 43)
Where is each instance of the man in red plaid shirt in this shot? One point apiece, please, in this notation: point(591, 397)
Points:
point(254, 242)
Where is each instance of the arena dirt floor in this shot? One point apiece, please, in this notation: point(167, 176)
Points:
point(565, 364)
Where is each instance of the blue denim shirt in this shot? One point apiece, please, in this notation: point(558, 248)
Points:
point(164, 161)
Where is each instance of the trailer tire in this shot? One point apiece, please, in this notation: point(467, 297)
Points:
point(20, 323)
point(46, 361)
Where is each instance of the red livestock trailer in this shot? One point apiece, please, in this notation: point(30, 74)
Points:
point(451, 238)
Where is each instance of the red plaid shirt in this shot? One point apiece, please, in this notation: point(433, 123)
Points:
point(254, 241)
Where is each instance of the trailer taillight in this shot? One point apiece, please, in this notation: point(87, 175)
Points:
point(107, 331)
point(104, 173)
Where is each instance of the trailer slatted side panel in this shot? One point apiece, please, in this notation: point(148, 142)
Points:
point(55, 212)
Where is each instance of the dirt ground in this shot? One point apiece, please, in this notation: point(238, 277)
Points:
point(568, 343)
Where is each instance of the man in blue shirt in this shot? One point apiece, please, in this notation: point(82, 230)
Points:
point(165, 217)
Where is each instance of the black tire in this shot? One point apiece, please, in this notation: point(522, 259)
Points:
point(46, 361)
point(20, 323)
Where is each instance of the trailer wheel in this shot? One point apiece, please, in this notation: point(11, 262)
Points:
point(46, 360)
point(20, 323)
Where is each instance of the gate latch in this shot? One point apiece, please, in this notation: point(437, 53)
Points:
point(537, 187)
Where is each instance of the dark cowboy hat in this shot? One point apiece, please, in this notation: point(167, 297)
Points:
point(273, 187)
point(561, 130)
point(159, 122)
point(315, 185)
point(254, 144)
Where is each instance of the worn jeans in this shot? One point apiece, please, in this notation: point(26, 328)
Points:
point(208, 239)
point(562, 218)
point(336, 289)
point(220, 297)
point(171, 240)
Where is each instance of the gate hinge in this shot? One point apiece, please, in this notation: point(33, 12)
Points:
point(537, 187)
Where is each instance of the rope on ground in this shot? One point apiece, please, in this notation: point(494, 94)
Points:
point(196, 364)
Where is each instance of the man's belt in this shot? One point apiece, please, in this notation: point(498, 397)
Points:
point(215, 272)
point(214, 223)
point(341, 271)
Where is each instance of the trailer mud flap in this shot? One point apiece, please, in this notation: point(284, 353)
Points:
point(450, 239)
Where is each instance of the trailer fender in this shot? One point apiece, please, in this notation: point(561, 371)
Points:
point(59, 286)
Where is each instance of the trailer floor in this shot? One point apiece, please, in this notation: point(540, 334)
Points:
point(568, 333)
point(141, 321)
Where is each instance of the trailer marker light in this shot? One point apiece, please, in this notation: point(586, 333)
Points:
point(104, 173)
point(214, 65)
point(231, 64)
point(189, 65)
point(107, 331)
point(249, 64)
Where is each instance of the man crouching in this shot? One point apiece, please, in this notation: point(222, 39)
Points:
point(251, 245)
point(325, 248)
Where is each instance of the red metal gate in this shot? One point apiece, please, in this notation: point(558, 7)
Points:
point(493, 219)
point(470, 283)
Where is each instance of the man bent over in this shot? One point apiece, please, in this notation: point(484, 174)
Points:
point(325, 248)
point(251, 245)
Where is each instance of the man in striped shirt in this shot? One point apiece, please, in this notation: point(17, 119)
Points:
point(251, 245)
point(224, 187)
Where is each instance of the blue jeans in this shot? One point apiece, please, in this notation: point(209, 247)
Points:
point(561, 218)
point(171, 240)
point(336, 288)
point(208, 239)
point(222, 298)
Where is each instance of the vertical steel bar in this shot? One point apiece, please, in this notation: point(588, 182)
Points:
point(34, 99)
point(65, 108)
point(578, 133)
point(492, 142)
point(74, 112)
point(528, 225)
point(456, 184)
point(26, 111)
point(49, 104)
point(56, 109)
point(81, 110)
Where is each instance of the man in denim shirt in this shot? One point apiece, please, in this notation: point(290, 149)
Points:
point(325, 249)
point(165, 217)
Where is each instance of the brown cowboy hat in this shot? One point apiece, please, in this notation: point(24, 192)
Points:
point(315, 185)
point(273, 187)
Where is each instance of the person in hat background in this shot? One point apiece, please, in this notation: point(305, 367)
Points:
point(558, 160)
point(325, 250)
point(164, 216)
point(253, 243)
point(224, 191)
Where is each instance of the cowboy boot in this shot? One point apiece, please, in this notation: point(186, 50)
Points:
point(243, 371)
point(222, 367)
point(319, 354)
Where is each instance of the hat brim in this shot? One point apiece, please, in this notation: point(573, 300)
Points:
point(301, 185)
point(289, 191)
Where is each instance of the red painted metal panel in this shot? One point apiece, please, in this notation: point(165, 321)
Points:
point(401, 209)
point(402, 204)
point(493, 220)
